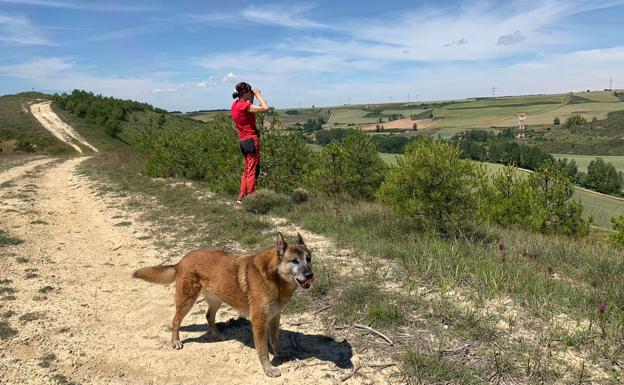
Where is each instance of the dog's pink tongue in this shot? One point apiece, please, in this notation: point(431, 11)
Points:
point(309, 281)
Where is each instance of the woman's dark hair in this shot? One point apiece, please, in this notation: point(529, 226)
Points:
point(241, 88)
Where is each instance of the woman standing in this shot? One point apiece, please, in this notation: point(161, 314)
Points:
point(243, 113)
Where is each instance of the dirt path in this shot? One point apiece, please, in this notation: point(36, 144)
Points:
point(51, 122)
point(81, 318)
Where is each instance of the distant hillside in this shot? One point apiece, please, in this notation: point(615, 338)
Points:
point(21, 131)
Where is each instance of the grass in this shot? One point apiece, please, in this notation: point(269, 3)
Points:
point(424, 368)
point(32, 316)
point(6, 239)
point(46, 289)
point(6, 331)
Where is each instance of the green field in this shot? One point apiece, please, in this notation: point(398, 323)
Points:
point(455, 116)
point(582, 161)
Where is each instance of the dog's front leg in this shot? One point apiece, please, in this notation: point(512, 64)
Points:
point(259, 320)
point(274, 325)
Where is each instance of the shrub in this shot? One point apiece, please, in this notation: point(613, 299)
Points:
point(352, 167)
point(617, 238)
point(553, 191)
point(286, 159)
point(434, 186)
point(603, 177)
point(264, 201)
point(575, 120)
point(557, 121)
point(209, 153)
point(511, 200)
point(24, 146)
point(300, 195)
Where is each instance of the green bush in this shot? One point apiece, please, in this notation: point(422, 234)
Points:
point(434, 186)
point(208, 153)
point(553, 191)
point(603, 177)
point(575, 120)
point(511, 200)
point(556, 121)
point(300, 196)
point(24, 146)
point(286, 160)
point(617, 238)
point(541, 202)
point(351, 167)
point(264, 201)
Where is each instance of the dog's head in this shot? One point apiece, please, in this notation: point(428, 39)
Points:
point(295, 262)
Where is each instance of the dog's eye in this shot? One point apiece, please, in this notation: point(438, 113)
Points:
point(309, 259)
point(295, 261)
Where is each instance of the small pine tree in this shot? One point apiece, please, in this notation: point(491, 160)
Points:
point(557, 121)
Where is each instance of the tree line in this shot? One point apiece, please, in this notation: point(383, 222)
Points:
point(107, 112)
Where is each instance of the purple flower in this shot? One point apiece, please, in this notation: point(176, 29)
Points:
point(501, 247)
point(602, 307)
point(594, 284)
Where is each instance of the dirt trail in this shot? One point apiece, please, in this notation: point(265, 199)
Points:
point(76, 304)
point(51, 122)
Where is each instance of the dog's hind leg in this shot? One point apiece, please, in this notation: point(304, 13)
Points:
point(186, 295)
point(214, 303)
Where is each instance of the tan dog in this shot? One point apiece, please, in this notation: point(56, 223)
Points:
point(258, 286)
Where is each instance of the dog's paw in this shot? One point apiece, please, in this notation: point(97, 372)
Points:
point(217, 336)
point(176, 345)
point(272, 371)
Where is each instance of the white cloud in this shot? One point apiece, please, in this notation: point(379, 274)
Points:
point(283, 15)
point(38, 68)
point(511, 38)
point(157, 91)
point(119, 34)
point(83, 6)
point(229, 78)
point(210, 82)
point(18, 30)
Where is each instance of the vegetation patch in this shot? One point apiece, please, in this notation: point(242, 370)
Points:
point(6, 239)
point(6, 331)
point(32, 316)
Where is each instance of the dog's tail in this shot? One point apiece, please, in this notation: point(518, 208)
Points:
point(157, 274)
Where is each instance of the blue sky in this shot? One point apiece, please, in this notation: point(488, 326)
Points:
point(187, 55)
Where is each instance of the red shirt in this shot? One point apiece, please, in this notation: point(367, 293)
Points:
point(245, 121)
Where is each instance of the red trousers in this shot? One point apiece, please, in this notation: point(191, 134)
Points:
point(250, 174)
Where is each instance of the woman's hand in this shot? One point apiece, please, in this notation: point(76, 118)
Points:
point(256, 92)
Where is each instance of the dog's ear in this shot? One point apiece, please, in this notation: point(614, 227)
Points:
point(281, 246)
point(300, 240)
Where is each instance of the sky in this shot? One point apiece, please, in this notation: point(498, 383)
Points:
point(188, 55)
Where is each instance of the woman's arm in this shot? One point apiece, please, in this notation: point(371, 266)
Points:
point(263, 107)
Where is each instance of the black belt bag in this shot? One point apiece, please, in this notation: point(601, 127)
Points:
point(247, 146)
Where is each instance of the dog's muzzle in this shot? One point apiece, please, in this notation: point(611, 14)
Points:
point(307, 282)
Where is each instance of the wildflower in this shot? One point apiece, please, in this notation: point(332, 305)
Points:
point(551, 271)
point(602, 308)
point(594, 284)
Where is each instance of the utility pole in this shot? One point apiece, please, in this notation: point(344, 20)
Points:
point(494, 88)
point(610, 83)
